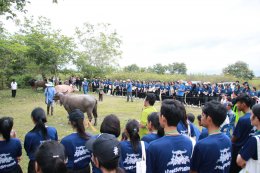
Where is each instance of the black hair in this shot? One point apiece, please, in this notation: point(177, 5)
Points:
point(124, 136)
point(199, 117)
point(151, 98)
point(154, 119)
point(172, 111)
point(132, 128)
point(244, 98)
point(184, 116)
point(79, 126)
point(216, 111)
point(256, 110)
point(111, 165)
point(191, 117)
point(6, 125)
point(50, 156)
point(39, 117)
point(111, 125)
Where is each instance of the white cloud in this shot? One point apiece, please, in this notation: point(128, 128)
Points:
point(207, 35)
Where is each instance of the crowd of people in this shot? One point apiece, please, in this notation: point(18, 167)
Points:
point(166, 140)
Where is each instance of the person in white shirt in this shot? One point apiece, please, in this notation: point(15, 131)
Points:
point(13, 88)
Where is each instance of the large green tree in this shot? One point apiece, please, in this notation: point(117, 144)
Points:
point(48, 49)
point(177, 68)
point(239, 69)
point(157, 68)
point(98, 47)
point(10, 7)
point(132, 68)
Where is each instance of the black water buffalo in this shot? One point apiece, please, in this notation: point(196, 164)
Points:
point(37, 83)
point(86, 103)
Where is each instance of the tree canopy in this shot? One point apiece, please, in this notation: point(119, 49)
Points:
point(239, 69)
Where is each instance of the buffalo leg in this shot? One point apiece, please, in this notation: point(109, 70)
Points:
point(48, 109)
point(89, 116)
point(51, 110)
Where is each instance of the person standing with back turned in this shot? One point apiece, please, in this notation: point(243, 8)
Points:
point(49, 96)
point(13, 88)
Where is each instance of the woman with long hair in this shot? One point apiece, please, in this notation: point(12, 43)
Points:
point(10, 148)
point(50, 158)
point(155, 130)
point(131, 150)
point(39, 134)
point(78, 155)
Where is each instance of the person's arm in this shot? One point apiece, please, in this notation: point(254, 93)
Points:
point(233, 139)
point(240, 161)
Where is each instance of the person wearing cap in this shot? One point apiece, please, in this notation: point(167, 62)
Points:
point(49, 93)
point(213, 153)
point(105, 153)
point(50, 158)
point(172, 152)
point(78, 155)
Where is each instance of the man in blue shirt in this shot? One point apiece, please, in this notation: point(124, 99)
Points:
point(49, 96)
point(129, 90)
point(243, 129)
point(180, 91)
point(213, 153)
point(172, 152)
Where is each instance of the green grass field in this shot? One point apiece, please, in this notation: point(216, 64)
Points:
point(26, 100)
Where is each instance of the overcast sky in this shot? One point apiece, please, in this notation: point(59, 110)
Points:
point(206, 35)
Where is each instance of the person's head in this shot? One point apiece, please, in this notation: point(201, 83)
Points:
point(191, 117)
point(39, 118)
point(76, 118)
point(124, 136)
point(243, 102)
point(13, 80)
point(106, 151)
point(171, 113)
point(228, 105)
point(132, 131)
point(149, 99)
point(50, 158)
point(199, 120)
point(6, 125)
point(255, 116)
point(111, 125)
point(154, 124)
point(213, 113)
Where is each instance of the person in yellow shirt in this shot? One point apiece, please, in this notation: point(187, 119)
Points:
point(147, 110)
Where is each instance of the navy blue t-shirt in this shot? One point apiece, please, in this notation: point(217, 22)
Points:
point(150, 137)
point(128, 157)
point(249, 150)
point(212, 154)
point(78, 155)
point(34, 139)
point(243, 130)
point(204, 133)
point(169, 154)
point(9, 151)
point(196, 131)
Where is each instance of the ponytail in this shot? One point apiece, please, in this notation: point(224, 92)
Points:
point(79, 126)
point(39, 118)
point(6, 125)
point(154, 119)
point(132, 128)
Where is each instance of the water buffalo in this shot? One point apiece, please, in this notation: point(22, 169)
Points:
point(86, 103)
point(35, 84)
point(65, 88)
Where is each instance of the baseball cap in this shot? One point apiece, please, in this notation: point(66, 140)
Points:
point(75, 115)
point(105, 147)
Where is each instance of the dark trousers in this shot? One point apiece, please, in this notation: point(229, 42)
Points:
point(13, 93)
point(234, 168)
point(180, 98)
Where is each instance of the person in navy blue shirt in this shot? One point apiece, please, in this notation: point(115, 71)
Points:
point(131, 150)
point(50, 158)
point(10, 148)
point(154, 127)
point(39, 134)
point(78, 155)
point(204, 131)
point(213, 153)
point(250, 150)
point(191, 118)
point(172, 152)
point(243, 129)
